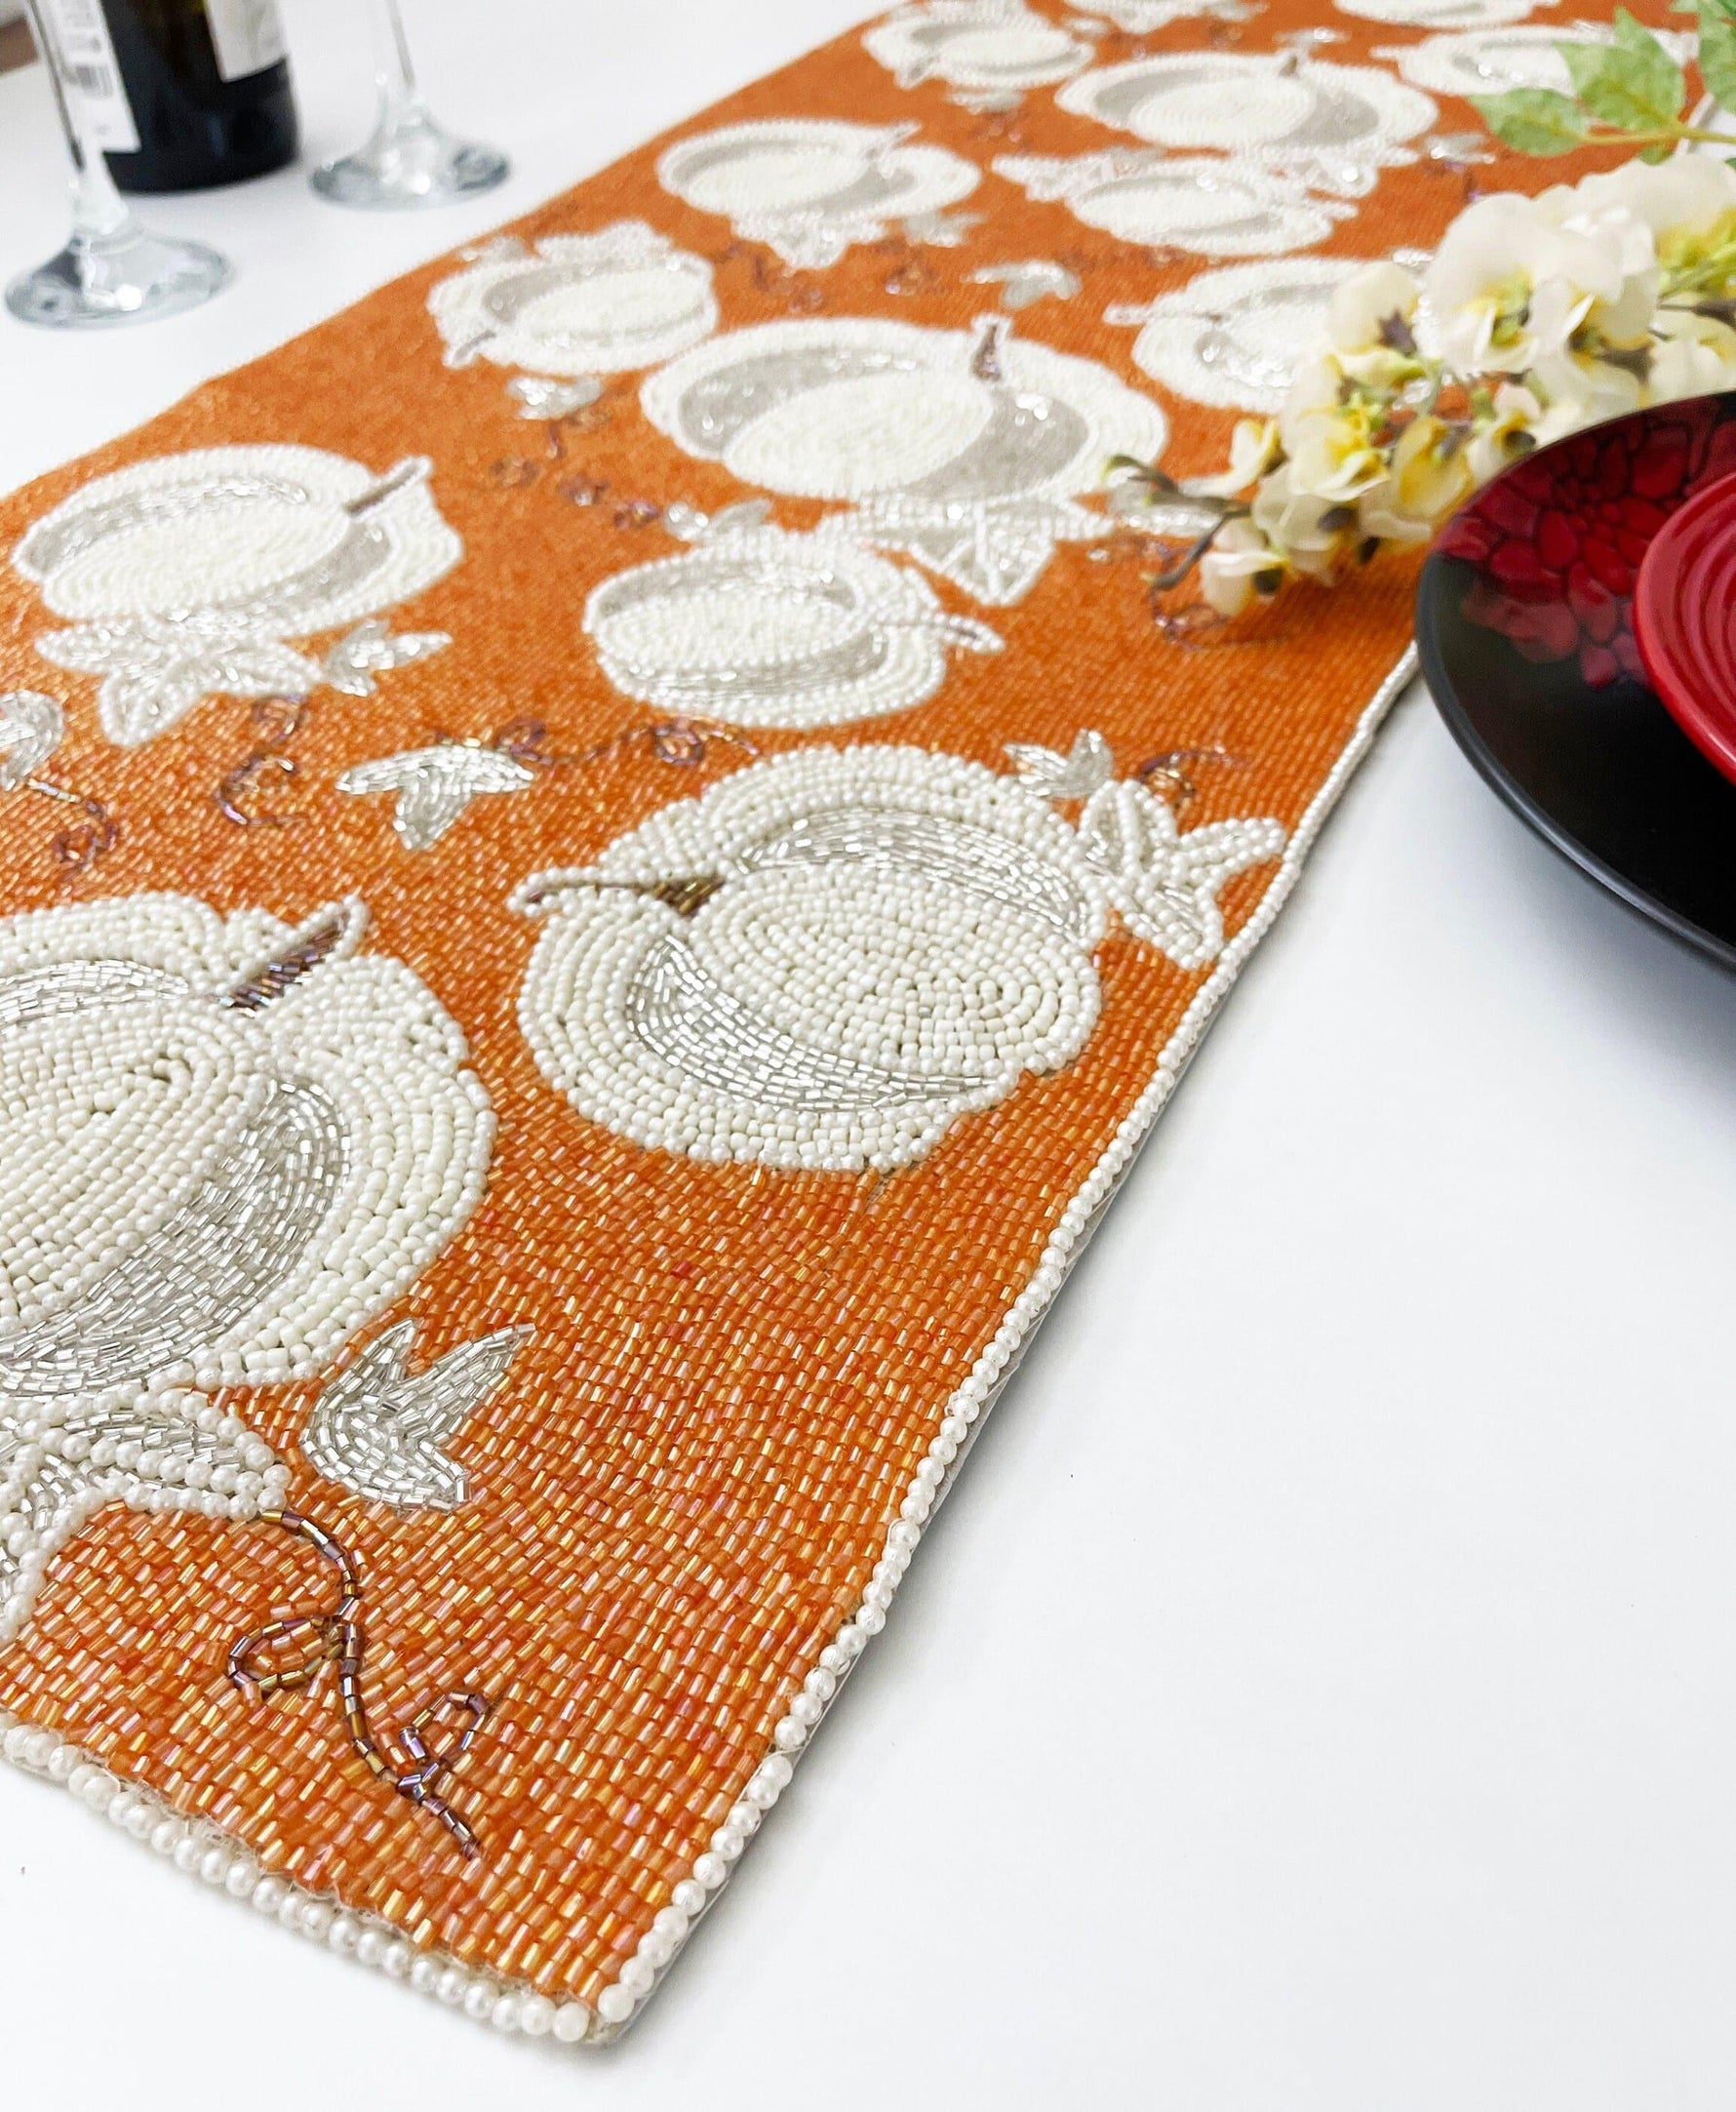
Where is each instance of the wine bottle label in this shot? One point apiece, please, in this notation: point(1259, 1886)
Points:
point(90, 73)
point(246, 35)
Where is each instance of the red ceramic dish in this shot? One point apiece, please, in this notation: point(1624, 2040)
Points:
point(1526, 624)
point(1684, 620)
point(1555, 542)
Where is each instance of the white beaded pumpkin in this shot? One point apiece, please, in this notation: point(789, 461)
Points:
point(226, 1144)
point(823, 962)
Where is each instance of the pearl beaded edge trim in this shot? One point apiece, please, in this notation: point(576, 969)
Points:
point(511, 2006)
point(967, 1408)
point(202, 1850)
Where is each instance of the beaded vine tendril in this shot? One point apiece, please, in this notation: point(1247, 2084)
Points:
point(276, 721)
point(79, 846)
point(287, 1656)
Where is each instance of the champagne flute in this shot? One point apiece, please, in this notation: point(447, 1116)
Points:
point(111, 270)
point(409, 159)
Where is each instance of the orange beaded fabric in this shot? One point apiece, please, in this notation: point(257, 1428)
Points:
point(606, 859)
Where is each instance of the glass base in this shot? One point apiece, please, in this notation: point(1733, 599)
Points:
point(126, 277)
point(411, 161)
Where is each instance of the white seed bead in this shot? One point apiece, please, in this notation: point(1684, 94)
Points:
point(616, 2004)
point(537, 2015)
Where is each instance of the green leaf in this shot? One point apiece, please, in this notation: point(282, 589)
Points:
point(1533, 120)
point(1718, 45)
point(1632, 83)
point(1717, 52)
point(1657, 151)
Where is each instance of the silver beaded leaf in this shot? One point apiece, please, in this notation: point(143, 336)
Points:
point(379, 1430)
point(371, 650)
point(31, 727)
point(435, 785)
point(1077, 775)
point(1023, 284)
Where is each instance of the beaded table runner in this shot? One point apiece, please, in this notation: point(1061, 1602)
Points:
point(605, 860)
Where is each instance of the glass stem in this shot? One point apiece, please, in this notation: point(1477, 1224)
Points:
point(394, 73)
point(100, 214)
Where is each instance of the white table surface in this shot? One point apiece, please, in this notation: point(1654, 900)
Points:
point(1320, 1691)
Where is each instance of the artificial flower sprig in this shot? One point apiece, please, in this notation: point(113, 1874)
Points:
point(1628, 91)
point(1534, 317)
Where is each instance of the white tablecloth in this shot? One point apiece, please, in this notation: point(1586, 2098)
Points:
point(1318, 1695)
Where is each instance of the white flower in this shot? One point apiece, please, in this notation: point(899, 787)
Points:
point(1516, 280)
point(1511, 432)
point(1328, 427)
point(1428, 477)
point(1695, 356)
point(1254, 446)
point(1687, 192)
point(1620, 309)
point(1234, 569)
point(1477, 291)
point(1588, 387)
point(1309, 530)
point(1363, 305)
point(1578, 332)
point(1535, 318)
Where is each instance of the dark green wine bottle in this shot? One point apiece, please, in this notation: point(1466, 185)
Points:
point(180, 95)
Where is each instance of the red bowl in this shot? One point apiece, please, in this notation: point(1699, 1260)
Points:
point(1684, 620)
point(1526, 627)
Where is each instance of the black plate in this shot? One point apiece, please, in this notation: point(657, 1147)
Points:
point(1601, 771)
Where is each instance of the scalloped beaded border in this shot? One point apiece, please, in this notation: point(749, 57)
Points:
point(509, 2006)
point(205, 1850)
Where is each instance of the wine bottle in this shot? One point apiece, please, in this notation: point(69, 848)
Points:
point(179, 94)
